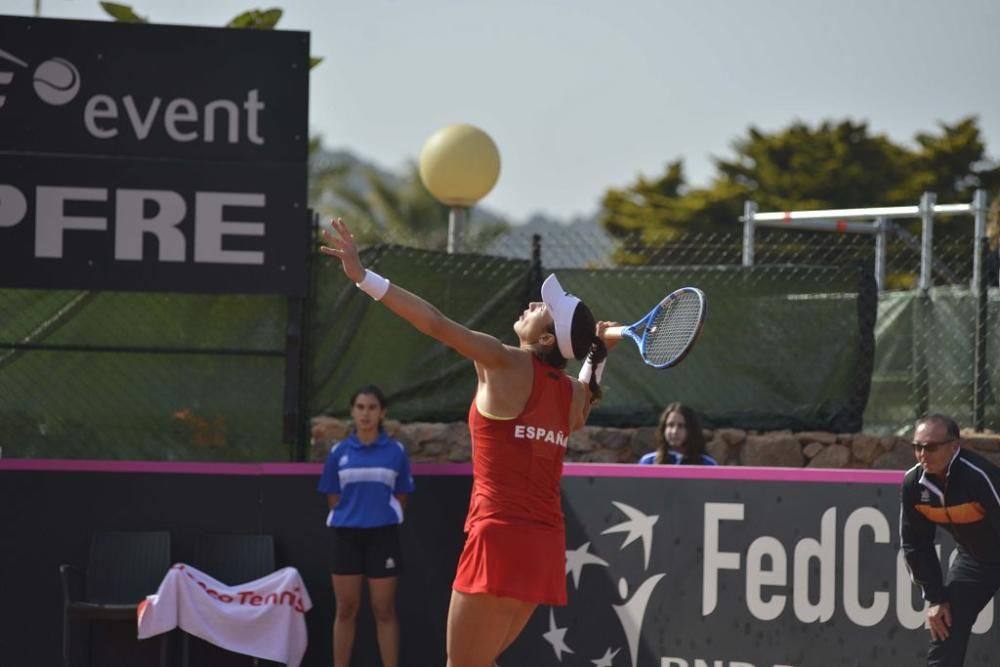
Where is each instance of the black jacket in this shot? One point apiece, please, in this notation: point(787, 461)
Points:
point(966, 503)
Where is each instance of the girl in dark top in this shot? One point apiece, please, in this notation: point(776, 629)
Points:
point(679, 438)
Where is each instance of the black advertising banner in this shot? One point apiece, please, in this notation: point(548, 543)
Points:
point(187, 145)
point(199, 227)
point(169, 92)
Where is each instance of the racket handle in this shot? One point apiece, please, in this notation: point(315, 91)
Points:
point(614, 333)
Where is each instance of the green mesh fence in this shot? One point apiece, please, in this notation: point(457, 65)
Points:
point(925, 358)
point(791, 343)
point(356, 341)
point(756, 365)
point(773, 353)
point(141, 376)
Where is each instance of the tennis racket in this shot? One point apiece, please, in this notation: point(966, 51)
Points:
point(668, 332)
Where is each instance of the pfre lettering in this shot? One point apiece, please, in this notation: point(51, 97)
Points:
point(181, 118)
point(136, 213)
point(768, 573)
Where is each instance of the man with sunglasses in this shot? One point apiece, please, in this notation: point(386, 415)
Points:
point(959, 491)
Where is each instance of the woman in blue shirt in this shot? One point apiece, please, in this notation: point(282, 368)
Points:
point(366, 479)
point(679, 438)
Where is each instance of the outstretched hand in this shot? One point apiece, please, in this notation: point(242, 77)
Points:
point(603, 326)
point(342, 246)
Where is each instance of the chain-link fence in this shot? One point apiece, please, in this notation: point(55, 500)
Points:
point(760, 323)
point(930, 344)
point(141, 376)
point(800, 340)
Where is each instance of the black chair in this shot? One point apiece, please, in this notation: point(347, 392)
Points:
point(233, 560)
point(122, 569)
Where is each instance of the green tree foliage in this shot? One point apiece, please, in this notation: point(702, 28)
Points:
point(122, 13)
point(832, 165)
point(257, 19)
point(386, 209)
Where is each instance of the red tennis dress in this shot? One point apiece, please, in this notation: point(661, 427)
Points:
point(516, 537)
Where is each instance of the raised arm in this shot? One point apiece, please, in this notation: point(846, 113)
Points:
point(425, 317)
point(583, 397)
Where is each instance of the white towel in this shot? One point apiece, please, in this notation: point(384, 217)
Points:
point(263, 618)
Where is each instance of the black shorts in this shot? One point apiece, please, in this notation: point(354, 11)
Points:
point(373, 552)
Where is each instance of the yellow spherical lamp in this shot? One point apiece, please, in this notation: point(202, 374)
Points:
point(459, 164)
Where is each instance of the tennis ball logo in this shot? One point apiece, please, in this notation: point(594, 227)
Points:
point(57, 81)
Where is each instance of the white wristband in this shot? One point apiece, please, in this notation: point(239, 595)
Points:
point(373, 285)
point(587, 370)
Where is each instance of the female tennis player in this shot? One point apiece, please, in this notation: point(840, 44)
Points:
point(520, 420)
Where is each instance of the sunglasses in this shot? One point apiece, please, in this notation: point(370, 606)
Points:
point(929, 447)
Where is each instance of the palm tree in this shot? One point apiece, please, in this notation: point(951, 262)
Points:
point(385, 208)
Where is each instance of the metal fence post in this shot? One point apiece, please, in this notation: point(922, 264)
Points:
point(881, 245)
point(458, 220)
point(534, 286)
point(921, 375)
point(749, 209)
point(927, 201)
point(294, 431)
point(979, 212)
point(979, 287)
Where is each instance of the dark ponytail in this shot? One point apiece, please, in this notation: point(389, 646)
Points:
point(598, 353)
point(587, 345)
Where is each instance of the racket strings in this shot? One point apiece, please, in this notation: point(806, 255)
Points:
point(672, 329)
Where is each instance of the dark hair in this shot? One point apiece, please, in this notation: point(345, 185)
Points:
point(694, 442)
point(371, 390)
point(950, 425)
point(551, 356)
point(588, 345)
point(586, 342)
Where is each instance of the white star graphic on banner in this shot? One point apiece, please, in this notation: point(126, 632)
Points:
point(577, 558)
point(633, 612)
point(606, 659)
point(638, 525)
point(555, 636)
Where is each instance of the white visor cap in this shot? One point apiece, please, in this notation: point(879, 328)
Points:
point(562, 305)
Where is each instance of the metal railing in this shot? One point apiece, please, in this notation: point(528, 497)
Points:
point(877, 222)
point(874, 221)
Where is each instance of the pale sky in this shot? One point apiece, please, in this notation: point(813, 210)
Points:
point(583, 95)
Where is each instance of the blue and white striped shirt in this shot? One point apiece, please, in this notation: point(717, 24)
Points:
point(366, 477)
point(676, 458)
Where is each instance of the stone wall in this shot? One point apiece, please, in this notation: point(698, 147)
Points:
point(449, 443)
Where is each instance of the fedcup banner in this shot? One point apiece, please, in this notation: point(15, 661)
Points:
point(148, 157)
point(782, 568)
